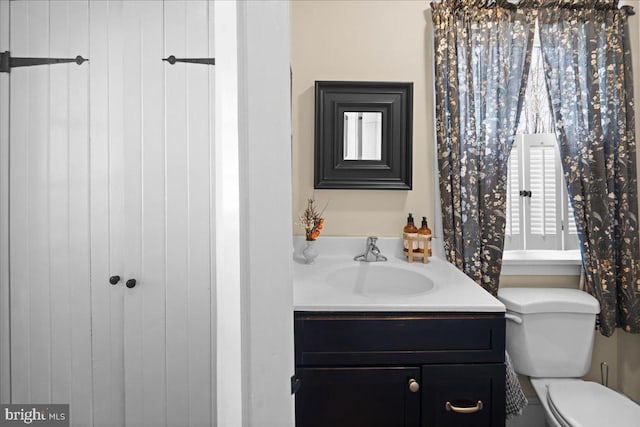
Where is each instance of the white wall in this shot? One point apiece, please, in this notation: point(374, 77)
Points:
point(265, 218)
point(227, 200)
point(5, 349)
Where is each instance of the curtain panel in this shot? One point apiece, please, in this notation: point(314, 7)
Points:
point(588, 71)
point(482, 56)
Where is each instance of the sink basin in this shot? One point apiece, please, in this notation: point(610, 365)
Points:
point(379, 279)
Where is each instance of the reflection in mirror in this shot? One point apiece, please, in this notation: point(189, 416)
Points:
point(362, 135)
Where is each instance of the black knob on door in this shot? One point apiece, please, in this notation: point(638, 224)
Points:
point(131, 283)
point(114, 279)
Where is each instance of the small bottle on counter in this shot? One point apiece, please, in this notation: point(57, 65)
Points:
point(424, 245)
point(410, 231)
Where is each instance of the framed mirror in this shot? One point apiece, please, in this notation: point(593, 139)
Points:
point(363, 135)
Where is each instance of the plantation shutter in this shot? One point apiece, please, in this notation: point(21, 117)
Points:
point(544, 206)
point(514, 236)
point(570, 231)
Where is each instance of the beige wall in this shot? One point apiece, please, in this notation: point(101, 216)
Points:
point(362, 40)
point(391, 41)
point(629, 364)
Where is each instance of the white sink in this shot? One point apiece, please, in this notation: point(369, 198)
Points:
point(379, 279)
point(336, 283)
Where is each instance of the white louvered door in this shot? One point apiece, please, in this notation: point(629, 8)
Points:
point(111, 175)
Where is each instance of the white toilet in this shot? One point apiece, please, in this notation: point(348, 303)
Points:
point(550, 335)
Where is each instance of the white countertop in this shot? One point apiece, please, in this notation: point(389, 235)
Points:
point(453, 291)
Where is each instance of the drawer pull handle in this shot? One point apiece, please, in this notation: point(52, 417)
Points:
point(414, 386)
point(470, 410)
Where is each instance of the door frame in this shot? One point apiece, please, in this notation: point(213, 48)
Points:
point(264, 118)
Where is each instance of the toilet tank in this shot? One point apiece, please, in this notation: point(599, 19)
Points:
point(550, 331)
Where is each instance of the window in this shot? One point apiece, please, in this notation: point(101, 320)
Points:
point(539, 214)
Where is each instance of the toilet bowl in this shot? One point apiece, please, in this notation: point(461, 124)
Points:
point(570, 402)
point(550, 335)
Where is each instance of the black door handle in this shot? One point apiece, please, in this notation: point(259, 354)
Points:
point(114, 279)
point(131, 283)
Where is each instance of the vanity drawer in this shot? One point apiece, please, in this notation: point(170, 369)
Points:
point(351, 339)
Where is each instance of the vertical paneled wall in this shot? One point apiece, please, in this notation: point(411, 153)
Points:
point(152, 221)
point(189, 199)
point(5, 342)
point(49, 209)
point(110, 174)
point(107, 210)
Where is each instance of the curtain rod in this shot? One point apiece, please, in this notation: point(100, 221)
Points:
point(628, 9)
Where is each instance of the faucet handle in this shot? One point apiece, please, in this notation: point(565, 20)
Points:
point(371, 249)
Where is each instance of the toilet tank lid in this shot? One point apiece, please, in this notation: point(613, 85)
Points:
point(548, 300)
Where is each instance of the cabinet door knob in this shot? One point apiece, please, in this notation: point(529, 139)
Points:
point(131, 283)
point(414, 386)
point(464, 410)
point(114, 279)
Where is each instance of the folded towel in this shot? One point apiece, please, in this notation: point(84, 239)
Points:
point(515, 399)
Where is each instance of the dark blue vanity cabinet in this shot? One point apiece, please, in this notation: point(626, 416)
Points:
point(399, 369)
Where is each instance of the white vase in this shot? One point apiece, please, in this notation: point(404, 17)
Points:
point(310, 251)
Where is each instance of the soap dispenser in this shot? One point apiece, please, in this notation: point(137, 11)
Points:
point(424, 244)
point(410, 236)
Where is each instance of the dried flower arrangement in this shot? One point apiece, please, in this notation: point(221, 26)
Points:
point(311, 220)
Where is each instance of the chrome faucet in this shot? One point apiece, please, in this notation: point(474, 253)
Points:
point(372, 254)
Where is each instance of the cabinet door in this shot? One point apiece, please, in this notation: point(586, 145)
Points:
point(108, 238)
point(153, 156)
point(111, 175)
point(353, 397)
point(463, 395)
point(168, 321)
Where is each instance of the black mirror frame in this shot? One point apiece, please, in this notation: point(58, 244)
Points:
point(395, 101)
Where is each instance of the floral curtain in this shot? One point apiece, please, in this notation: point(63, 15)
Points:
point(587, 63)
point(482, 55)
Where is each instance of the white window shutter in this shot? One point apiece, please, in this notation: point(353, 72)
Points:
point(350, 134)
point(514, 238)
point(372, 136)
point(570, 231)
point(543, 208)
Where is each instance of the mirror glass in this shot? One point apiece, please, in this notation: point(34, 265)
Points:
point(362, 135)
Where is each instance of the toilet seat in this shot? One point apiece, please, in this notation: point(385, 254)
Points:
point(557, 417)
point(589, 404)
